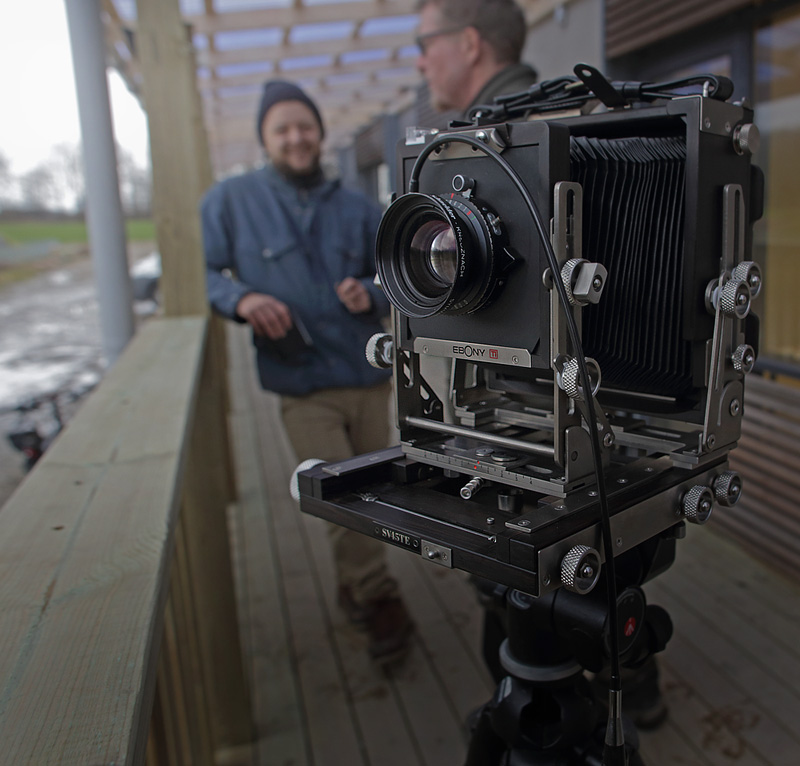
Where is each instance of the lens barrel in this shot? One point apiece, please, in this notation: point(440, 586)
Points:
point(440, 255)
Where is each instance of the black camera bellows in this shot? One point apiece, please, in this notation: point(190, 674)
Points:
point(633, 223)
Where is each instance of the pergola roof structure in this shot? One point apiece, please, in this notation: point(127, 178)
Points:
point(355, 58)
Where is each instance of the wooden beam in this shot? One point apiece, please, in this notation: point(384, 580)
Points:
point(213, 59)
point(181, 174)
point(267, 18)
point(323, 73)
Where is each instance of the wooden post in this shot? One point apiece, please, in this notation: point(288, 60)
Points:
point(181, 175)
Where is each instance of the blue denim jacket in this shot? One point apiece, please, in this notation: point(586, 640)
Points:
point(262, 234)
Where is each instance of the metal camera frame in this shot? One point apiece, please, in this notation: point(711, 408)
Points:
point(508, 491)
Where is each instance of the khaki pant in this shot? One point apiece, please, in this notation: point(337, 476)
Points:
point(333, 424)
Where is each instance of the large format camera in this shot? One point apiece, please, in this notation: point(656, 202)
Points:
point(586, 279)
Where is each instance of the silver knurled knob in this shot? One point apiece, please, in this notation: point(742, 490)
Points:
point(580, 569)
point(735, 298)
point(380, 350)
point(746, 139)
point(750, 272)
point(571, 378)
point(743, 358)
point(728, 488)
point(697, 504)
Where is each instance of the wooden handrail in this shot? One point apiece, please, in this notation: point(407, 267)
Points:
point(88, 563)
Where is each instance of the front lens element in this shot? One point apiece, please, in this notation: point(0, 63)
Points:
point(433, 256)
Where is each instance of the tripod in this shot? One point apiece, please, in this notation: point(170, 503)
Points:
point(544, 711)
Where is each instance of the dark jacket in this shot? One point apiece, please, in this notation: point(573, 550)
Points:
point(515, 78)
point(262, 234)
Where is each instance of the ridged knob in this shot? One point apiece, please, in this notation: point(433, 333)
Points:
point(580, 569)
point(750, 272)
point(380, 350)
point(735, 298)
point(697, 504)
point(743, 358)
point(294, 482)
point(571, 378)
point(728, 488)
point(746, 139)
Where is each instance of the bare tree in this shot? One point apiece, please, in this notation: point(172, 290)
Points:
point(6, 179)
point(68, 175)
point(135, 184)
point(39, 189)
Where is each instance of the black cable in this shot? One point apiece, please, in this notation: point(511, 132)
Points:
point(614, 748)
point(563, 93)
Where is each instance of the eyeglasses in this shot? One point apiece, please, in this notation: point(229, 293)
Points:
point(421, 41)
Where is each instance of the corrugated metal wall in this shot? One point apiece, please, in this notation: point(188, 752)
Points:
point(633, 24)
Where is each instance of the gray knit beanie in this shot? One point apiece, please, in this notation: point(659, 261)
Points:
point(276, 91)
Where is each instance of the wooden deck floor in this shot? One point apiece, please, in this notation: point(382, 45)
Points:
point(731, 673)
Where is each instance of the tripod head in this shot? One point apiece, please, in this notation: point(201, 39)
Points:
point(544, 711)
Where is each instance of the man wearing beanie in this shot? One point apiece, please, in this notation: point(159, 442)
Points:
point(292, 254)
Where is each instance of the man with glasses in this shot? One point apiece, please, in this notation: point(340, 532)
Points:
point(470, 51)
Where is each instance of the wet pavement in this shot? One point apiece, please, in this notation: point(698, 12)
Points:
point(50, 343)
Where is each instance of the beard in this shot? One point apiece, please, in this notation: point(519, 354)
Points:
point(307, 176)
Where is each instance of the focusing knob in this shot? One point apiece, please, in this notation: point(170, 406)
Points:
point(380, 350)
point(570, 381)
point(580, 569)
point(746, 139)
point(743, 358)
point(728, 488)
point(697, 504)
point(735, 298)
point(750, 272)
point(294, 482)
point(583, 281)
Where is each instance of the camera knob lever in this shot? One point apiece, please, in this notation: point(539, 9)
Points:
point(580, 569)
point(697, 504)
point(380, 350)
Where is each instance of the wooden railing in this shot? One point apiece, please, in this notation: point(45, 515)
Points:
point(118, 632)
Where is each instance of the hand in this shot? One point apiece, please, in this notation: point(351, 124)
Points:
point(354, 295)
point(267, 315)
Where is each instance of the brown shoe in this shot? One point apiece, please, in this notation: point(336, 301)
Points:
point(390, 630)
point(357, 614)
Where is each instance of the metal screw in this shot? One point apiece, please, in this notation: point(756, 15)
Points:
point(707, 123)
point(593, 493)
point(597, 283)
point(649, 469)
point(622, 481)
point(433, 554)
point(490, 520)
point(424, 349)
point(711, 441)
point(587, 572)
point(608, 439)
point(727, 127)
point(619, 542)
point(524, 523)
point(481, 135)
point(515, 359)
point(735, 407)
point(546, 579)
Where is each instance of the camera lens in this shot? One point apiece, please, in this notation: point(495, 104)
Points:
point(439, 255)
point(434, 254)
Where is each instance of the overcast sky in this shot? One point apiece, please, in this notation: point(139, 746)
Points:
point(38, 106)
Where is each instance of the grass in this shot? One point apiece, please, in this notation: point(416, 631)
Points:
point(68, 232)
